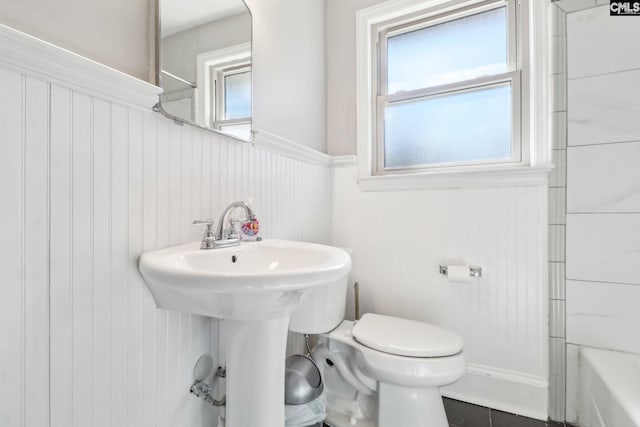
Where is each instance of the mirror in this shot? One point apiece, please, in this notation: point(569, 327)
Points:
point(203, 51)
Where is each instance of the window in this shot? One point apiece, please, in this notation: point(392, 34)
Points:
point(232, 94)
point(447, 89)
point(224, 90)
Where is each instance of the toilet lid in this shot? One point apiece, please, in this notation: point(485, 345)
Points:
point(404, 337)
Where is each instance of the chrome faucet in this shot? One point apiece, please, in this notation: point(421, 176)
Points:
point(225, 236)
point(228, 236)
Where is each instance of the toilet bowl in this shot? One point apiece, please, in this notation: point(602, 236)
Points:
point(387, 372)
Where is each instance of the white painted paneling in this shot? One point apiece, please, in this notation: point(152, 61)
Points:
point(400, 238)
point(12, 304)
point(604, 108)
point(604, 178)
point(61, 266)
point(135, 369)
point(600, 44)
point(603, 247)
point(36, 249)
point(603, 315)
point(101, 261)
point(87, 186)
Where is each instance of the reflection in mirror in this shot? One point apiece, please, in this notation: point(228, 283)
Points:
point(205, 64)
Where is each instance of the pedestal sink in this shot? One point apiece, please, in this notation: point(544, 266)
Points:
point(254, 286)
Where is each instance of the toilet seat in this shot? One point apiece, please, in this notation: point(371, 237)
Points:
point(403, 337)
point(400, 370)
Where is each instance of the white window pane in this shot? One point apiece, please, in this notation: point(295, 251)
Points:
point(460, 127)
point(241, 131)
point(237, 95)
point(463, 49)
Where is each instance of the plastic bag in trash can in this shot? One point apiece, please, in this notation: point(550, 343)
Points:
point(306, 414)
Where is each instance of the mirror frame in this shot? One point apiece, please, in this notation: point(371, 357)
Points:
point(158, 79)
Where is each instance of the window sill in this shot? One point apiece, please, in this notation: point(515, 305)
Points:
point(517, 176)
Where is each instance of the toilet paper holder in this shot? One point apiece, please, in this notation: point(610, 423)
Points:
point(474, 271)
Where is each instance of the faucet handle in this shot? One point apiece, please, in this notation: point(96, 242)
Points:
point(208, 222)
point(208, 237)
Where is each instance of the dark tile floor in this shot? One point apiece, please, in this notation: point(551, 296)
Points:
point(462, 414)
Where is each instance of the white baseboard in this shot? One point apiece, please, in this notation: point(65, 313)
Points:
point(507, 391)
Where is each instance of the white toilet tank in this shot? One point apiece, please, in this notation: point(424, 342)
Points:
point(322, 309)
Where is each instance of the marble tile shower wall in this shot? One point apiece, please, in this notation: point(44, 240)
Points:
point(603, 199)
point(603, 186)
point(87, 185)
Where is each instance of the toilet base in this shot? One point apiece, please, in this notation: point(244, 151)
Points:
point(351, 413)
point(337, 419)
point(410, 407)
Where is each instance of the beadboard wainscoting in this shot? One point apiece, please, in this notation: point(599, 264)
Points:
point(399, 239)
point(88, 183)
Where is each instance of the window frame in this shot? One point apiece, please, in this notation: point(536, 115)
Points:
point(536, 90)
point(512, 77)
point(206, 64)
point(217, 96)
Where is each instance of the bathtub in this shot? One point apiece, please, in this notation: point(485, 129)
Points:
point(609, 389)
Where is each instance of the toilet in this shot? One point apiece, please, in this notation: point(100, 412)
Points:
point(380, 371)
point(385, 371)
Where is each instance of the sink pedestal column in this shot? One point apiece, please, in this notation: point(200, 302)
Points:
point(255, 357)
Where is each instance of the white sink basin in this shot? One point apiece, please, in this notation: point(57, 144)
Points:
point(255, 287)
point(253, 281)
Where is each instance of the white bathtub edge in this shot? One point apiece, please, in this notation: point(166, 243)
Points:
point(609, 386)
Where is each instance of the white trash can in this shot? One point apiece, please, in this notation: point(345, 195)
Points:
point(310, 414)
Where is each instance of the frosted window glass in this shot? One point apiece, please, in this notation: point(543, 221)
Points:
point(237, 95)
point(460, 127)
point(454, 51)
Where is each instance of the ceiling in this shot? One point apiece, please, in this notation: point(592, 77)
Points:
point(179, 15)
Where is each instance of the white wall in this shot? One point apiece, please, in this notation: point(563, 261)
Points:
point(179, 50)
point(115, 32)
point(89, 183)
point(341, 74)
point(289, 70)
point(603, 181)
point(399, 239)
